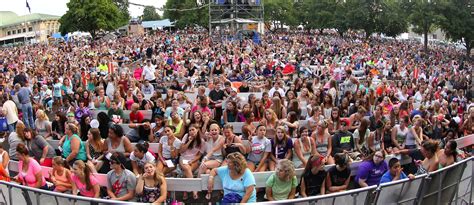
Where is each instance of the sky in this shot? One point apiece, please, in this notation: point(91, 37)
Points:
point(59, 7)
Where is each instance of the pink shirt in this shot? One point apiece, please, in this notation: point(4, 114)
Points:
point(82, 186)
point(29, 177)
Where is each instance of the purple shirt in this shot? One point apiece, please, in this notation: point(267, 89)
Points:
point(371, 172)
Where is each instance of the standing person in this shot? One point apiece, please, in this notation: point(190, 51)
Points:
point(371, 169)
point(24, 97)
point(313, 179)
point(30, 173)
point(121, 182)
point(10, 111)
point(148, 72)
point(282, 184)
point(40, 149)
point(151, 186)
point(84, 183)
point(237, 180)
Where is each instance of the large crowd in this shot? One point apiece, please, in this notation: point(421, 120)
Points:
point(316, 99)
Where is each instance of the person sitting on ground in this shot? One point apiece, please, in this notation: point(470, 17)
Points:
point(151, 186)
point(395, 172)
point(339, 176)
point(282, 184)
point(313, 179)
point(121, 182)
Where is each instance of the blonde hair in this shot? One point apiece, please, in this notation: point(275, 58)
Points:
point(236, 158)
point(158, 176)
point(274, 116)
point(40, 114)
point(287, 166)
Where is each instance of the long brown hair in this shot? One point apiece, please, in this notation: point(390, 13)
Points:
point(86, 171)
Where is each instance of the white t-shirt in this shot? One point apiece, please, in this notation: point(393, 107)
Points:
point(258, 148)
point(149, 72)
point(148, 157)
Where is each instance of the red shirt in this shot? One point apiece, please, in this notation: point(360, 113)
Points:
point(136, 117)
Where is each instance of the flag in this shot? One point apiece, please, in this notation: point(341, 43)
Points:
point(28, 6)
point(415, 73)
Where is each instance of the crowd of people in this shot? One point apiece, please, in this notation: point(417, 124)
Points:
point(325, 100)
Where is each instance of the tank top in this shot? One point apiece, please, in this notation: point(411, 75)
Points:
point(1, 159)
point(119, 148)
point(94, 153)
point(401, 134)
point(306, 153)
point(61, 178)
point(178, 127)
point(217, 155)
point(327, 112)
point(150, 194)
point(102, 105)
point(129, 103)
point(322, 147)
point(81, 155)
point(410, 140)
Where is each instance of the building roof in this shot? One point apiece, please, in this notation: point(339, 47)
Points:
point(8, 18)
point(157, 24)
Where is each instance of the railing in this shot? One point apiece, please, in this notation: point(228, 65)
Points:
point(452, 184)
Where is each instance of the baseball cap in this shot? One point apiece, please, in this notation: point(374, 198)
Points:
point(344, 121)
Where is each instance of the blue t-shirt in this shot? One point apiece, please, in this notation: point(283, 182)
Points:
point(387, 177)
point(371, 172)
point(237, 186)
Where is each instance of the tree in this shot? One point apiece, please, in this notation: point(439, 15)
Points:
point(318, 14)
point(193, 17)
point(149, 14)
point(392, 20)
point(458, 22)
point(423, 17)
point(90, 16)
point(123, 7)
point(280, 12)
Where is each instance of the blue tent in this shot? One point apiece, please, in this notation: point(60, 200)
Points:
point(57, 35)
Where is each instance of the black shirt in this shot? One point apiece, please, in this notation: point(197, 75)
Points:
point(216, 95)
point(313, 182)
point(338, 178)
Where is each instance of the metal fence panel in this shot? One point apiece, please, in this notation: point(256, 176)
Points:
point(400, 193)
point(464, 189)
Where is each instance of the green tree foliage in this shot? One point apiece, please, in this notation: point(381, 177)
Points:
point(317, 14)
point(280, 12)
point(90, 16)
point(392, 20)
point(423, 17)
point(123, 6)
point(458, 21)
point(150, 14)
point(198, 17)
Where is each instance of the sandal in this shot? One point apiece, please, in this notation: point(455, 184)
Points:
point(195, 196)
point(208, 196)
point(185, 196)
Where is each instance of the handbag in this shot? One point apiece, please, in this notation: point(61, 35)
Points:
point(231, 198)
